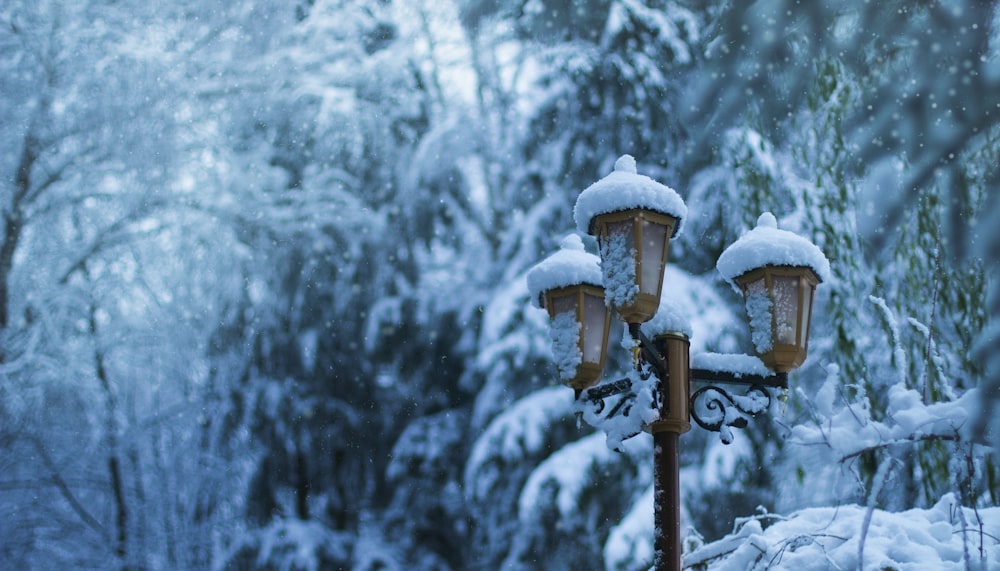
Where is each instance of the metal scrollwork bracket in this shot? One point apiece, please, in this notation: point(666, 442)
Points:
point(719, 409)
point(716, 409)
point(595, 396)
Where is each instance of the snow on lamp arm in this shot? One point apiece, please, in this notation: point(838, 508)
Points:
point(633, 218)
point(568, 285)
point(777, 272)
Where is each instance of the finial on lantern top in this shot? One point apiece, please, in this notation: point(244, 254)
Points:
point(625, 163)
point(767, 220)
point(572, 242)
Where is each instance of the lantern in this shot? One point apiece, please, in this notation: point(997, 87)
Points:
point(633, 218)
point(633, 256)
point(568, 285)
point(581, 323)
point(779, 306)
point(777, 272)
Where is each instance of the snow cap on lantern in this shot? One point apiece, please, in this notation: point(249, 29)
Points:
point(777, 272)
point(633, 218)
point(570, 265)
point(568, 285)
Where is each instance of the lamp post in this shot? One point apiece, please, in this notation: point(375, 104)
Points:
point(633, 218)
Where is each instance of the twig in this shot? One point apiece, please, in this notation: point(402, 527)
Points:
point(880, 478)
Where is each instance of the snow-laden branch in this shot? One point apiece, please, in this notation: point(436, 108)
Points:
point(852, 431)
point(830, 538)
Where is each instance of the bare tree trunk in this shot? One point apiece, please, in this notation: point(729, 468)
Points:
point(114, 462)
point(13, 218)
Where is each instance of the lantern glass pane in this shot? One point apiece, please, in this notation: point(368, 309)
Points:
point(622, 229)
point(654, 240)
point(563, 303)
point(807, 294)
point(786, 309)
point(595, 315)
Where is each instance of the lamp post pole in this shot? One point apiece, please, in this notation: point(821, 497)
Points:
point(633, 219)
point(667, 500)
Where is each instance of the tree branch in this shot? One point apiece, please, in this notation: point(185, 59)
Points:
point(64, 489)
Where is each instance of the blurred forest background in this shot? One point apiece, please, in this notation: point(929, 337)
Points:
point(262, 298)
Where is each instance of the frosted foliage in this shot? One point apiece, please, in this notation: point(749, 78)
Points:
point(690, 305)
point(850, 430)
point(295, 544)
point(629, 542)
point(518, 432)
point(569, 468)
point(565, 334)
point(618, 267)
point(758, 305)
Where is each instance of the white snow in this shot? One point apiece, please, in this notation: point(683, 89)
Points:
point(738, 365)
point(689, 305)
point(670, 317)
point(625, 189)
point(571, 265)
point(852, 430)
point(565, 334)
point(768, 245)
point(939, 538)
point(570, 468)
point(618, 269)
point(758, 305)
point(630, 542)
point(620, 427)
point(296, 544)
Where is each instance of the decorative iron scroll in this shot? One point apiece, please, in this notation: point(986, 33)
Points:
point(622, 408)
point(716, 409)
point(596, 395)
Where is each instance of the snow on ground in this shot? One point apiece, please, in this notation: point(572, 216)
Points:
point(941, 538)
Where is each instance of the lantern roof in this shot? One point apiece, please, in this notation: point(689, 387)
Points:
point(625, 189)
point(569, 266)
point(768, 245)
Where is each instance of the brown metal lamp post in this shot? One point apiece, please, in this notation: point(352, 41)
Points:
point(633, 219)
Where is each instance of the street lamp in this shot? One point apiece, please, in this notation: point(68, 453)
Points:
point(633, 218)
point(568, 285)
